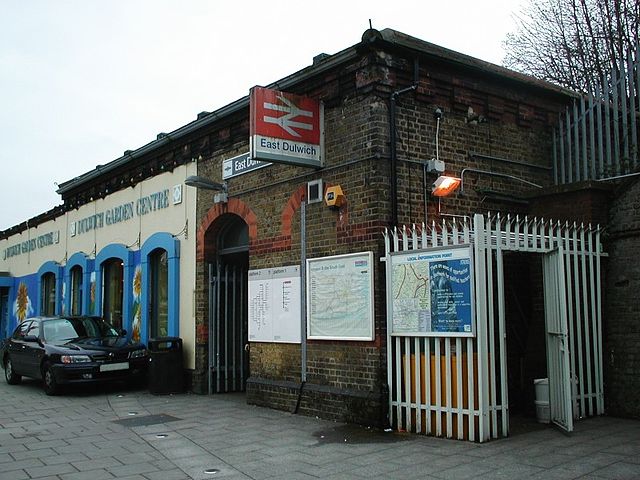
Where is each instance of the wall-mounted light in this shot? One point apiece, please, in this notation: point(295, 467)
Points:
point(206, 184)
point(444, 185)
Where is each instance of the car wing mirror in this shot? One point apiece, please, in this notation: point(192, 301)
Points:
point(31, 339)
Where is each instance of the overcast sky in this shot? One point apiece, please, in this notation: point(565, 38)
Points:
point(81, 81)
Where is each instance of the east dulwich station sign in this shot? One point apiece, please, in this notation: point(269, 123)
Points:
point(286, 128)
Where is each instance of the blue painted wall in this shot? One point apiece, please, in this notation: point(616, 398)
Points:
point(25, 292)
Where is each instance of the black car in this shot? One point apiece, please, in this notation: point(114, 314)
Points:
point(66, 350)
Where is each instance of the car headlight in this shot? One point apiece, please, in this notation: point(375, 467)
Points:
point(138, 353)
point(75, 358)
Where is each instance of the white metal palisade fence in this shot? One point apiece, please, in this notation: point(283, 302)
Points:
point(457, 387)
point(598, 136)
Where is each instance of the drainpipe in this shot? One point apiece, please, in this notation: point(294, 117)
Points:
point(392, 137)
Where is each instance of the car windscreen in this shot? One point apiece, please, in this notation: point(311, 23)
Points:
point(66, 329)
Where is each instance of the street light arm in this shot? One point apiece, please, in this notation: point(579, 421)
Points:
point(204, 183)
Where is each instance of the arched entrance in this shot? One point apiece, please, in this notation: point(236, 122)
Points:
point(227, 259)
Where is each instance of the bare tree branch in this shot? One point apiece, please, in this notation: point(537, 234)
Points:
point(573, 43)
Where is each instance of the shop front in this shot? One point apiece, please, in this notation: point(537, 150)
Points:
point(122, 256)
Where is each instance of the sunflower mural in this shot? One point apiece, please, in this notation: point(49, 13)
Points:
point(92, 294)
point(137, 310)
point(22, 307)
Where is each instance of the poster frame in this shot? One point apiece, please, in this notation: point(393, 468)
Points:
point(371, 310)
point(293, 272)
point(404, 253)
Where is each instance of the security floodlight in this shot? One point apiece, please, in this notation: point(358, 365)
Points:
point(444, 185)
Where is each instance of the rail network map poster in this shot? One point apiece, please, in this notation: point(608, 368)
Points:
point(340, 297)
point(432, 292)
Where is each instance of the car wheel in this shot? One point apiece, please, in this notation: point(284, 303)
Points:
point(49, 380)
point(9, 375)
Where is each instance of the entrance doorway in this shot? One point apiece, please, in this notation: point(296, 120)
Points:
point(536, 337)
point(228, 266)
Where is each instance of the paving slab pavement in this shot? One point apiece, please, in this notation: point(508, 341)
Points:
point(113, 432)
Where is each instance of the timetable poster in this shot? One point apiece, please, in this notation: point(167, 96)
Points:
point(274, 305)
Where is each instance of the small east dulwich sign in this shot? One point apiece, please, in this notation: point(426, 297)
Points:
point(286, 128)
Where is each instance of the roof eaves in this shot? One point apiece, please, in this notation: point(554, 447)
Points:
point(403, 40)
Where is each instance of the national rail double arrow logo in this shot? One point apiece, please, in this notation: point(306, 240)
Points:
point(286, 128)
point(287, 121)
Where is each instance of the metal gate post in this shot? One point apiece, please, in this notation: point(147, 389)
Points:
point(303, 292)
point(212, 308)
point(480, 250)
point(216, 318)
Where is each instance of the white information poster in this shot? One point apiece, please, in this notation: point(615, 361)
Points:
point(340, 297)
point(274, 305)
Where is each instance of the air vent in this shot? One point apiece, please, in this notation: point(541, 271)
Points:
point(315, 191)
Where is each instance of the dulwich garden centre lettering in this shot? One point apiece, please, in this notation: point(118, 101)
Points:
point(122, 213)
point(27, 246)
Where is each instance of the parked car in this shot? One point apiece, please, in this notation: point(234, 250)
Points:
point(69, 350)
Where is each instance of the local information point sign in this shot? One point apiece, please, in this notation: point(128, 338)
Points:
point(432, 292)
point(286, 128)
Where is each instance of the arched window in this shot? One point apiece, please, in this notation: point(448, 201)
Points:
point(78, 294)
point(76, 290)
point(160, 286)
point(48, 294)
point(113, 290)
point(158, 293)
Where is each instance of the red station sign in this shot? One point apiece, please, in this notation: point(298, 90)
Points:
point(286, 128)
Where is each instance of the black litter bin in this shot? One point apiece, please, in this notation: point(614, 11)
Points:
point(165, 365)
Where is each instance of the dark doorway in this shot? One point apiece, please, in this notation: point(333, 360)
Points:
point(228, 327)
point(526, 349)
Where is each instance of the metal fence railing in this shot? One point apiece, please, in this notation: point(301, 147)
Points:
point(597, 137)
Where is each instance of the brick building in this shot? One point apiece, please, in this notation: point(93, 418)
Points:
point(391, 104)
point(493, 120)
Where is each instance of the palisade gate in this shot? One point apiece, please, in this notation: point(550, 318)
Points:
point(455, 385)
